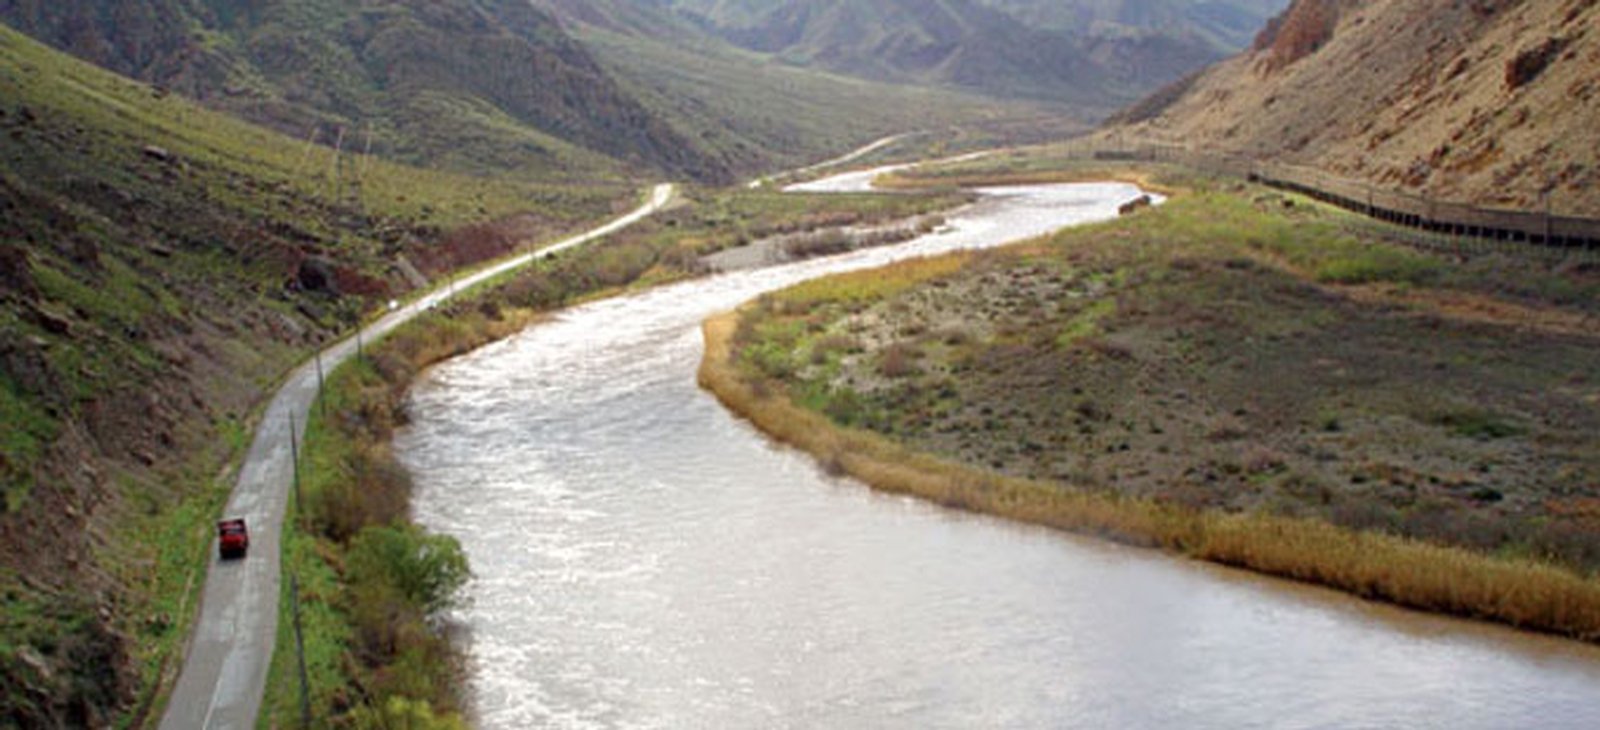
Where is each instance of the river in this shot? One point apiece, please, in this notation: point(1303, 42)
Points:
point(644, 559)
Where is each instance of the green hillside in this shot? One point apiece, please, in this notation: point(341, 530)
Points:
point(476, 85)
point(760, 115)
point(160, 265)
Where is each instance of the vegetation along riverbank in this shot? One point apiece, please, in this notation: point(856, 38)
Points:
point(375, 589)
point(1238, 375)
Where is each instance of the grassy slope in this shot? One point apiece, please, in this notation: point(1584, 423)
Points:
point(954, 43)
point(145, 250)
point(760, 114)
point(1089, 54)
point(475, 85)
point(1246, 382)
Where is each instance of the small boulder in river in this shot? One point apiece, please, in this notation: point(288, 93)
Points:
point(1134, 205)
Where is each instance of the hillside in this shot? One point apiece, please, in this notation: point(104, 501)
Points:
point(757, 113)
point(1491, 103)
point(1223, 25)
point(471, 84)
point(160, 266)
point(1083, 51)
point(951, 42)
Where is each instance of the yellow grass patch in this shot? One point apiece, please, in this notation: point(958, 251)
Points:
point(1522, 593)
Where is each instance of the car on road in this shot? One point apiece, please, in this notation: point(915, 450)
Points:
point(233, 538)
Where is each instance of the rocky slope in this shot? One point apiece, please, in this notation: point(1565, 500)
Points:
point(1491, 102)
point(475, 84)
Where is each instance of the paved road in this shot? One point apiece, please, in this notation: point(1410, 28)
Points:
point(850, 156)
point(225, 674)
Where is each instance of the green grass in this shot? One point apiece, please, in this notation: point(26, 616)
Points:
point(1479, 424)
point(326, 629)
point(29, 428)
point(1086, 323)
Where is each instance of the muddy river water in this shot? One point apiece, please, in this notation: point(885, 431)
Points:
point(645, 559)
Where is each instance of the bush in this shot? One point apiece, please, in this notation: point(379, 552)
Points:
point(899, 361)
point(375, 490)
point(426, 569)
point(1478, 424)
point(1379, 264)
point(404, 713)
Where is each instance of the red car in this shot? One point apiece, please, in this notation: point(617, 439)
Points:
point(232, 538)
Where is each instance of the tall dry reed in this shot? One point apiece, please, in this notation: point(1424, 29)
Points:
point(1522, 593)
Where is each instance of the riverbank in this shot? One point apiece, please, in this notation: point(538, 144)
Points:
point(1228, 377)
point(375, 651)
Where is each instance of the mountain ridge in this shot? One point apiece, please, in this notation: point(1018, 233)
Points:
point(1489, 103)
point(1076, 51)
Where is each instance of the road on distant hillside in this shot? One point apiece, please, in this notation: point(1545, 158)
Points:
point(850, 156)
point(225, 673)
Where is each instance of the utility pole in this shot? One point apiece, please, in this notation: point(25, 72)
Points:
point(300, 652)
point(1547, 226)
point(294, 456)
point(333, 165)
point(305, 154)
point(322, 402)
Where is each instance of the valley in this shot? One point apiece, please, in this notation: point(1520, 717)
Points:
point(679, 552)
point(1346, 338)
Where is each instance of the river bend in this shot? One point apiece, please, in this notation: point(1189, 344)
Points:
point(644, 559)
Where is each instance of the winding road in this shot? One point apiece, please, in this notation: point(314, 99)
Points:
point(850, 156)
point(225, 671)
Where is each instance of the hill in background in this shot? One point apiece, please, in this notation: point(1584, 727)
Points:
point(760, 113)
point(1491, 103)
point(475, 85)
point(1081, 52)
point(1226, 26)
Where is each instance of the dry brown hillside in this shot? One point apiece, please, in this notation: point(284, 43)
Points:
point(1492, 102)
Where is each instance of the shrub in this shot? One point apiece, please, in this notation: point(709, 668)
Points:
point(374, 490)
point(403, 713)
point(1478, 424)
point(1378, 264)
point(899, 361)
point(426, 569)
point(832, 344)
